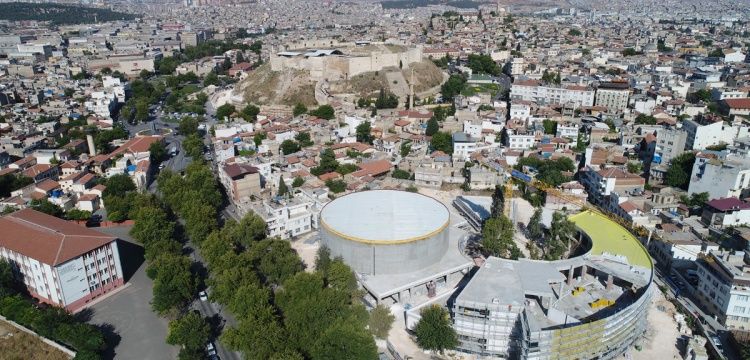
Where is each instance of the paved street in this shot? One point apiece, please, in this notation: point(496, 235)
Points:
point(139, 332)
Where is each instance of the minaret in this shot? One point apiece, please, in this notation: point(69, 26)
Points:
point(411, 89)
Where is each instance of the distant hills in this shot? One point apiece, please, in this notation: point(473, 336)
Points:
point(59, 14)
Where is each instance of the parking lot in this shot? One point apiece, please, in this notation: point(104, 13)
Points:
point(137, 332)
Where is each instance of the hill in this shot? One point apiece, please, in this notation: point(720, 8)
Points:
point(59, 14)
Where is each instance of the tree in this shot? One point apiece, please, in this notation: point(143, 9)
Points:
point(550, 126)
point(283, 189)
point(344, 341)
point(561, 232)
point(327, 163)
point(483, 64)
point(13, 182)
point(303, 138)
point(629, 52)
point(386, 100)
point(193, 146)
point(336, 186)
point(497, 238)
point(250, 113)
point(77, 214)
point(43, 205)
point(645, 119)
point(174, 284)
point(574, 32)
point(118, 185)
point(188, 125)
point(289, 147)
point(442, 141)
point(259, 336)
point(364, 133)
point(679, 170)
point(258, 138)
point(381, 321)
point(224, 111)
point(189, 331)
point(634, 167)
point(298, 181)
point(452, 87)
point(434, 331)
point(498, 201)
point(405, 149)
point(323, 260)
point(211, 79)
point(400, 174)
point(432, 127)
point(534, 227)
point(157, 152)
point(324, 112)
point(299, 109)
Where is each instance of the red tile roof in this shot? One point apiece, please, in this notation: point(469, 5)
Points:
point(727, 204)
point(738, 103)
point(46, 238)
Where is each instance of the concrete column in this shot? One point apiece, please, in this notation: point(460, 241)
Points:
point(584, 269)
point(570, 275)
point(610, 282)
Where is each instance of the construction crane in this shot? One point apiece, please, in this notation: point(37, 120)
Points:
point(551, 190)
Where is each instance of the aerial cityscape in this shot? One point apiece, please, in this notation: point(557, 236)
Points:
point(375, 179)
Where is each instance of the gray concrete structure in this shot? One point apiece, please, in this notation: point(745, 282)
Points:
point(383, 232)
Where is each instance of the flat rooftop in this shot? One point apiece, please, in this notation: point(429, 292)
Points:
point(387, 216)
point(609, 237)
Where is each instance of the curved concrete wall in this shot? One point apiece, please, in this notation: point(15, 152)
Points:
point(377, 259)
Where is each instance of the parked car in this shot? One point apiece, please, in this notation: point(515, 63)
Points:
point(203, 295)
point(210, 348)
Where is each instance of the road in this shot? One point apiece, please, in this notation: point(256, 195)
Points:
point(178, 163)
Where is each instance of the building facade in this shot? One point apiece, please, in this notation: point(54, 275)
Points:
point(62, 263)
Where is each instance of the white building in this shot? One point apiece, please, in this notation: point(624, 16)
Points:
point(463, 146)
point(520, 141)
point(531, 90)
point(724, 288)
point(613, 95)
point(520, 110)
point(567, 131)
point(61, 263)
point(721, 177)
point(701, 136)
point(286, 218)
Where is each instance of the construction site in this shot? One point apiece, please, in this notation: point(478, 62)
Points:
point(409, 251)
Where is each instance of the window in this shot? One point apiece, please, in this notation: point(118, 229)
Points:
point(739, 309)
point(742, 298)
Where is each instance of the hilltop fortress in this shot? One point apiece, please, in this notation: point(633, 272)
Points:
point(327, 59)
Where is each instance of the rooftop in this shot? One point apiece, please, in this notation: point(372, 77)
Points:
point(609, 237)
point(385, 216)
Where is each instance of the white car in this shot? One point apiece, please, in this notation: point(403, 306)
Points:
point(210, 349)
point(203, 296)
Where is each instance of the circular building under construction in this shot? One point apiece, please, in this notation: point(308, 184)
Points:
point(381, 232)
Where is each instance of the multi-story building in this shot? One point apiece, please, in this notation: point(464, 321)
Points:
point(724, 288)
point(61, 263)
point(700, 136)
point(463, 146)
point(721, 176)
point(286, 218)
point(613, 95)
point(240, 180)
point(601, 184)
point(589, 307)
point(726, 212)
point(532, 90)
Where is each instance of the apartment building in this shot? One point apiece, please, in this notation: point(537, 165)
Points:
point(726, 212)
point(532, 90)
point(700, 136)
point(286, 218)
point(613, 95)
point(721, 176)
point(240, 180)
point(463, 146)
point(724, 288)
point(62, 263)
point(601, 184)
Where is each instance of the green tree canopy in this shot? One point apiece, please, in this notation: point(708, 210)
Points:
point(679, 170)
point(324, 112)
point(442, 141)
point(364, 133)
point(434, 331)
point(189, 331)
point(497, 238)
point(289, 147)
point(432, 127)
point(299, 109)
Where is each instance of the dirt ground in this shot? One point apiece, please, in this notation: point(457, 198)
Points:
point(660, 340)
point(18, 345)
point(307, 248)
